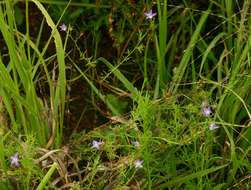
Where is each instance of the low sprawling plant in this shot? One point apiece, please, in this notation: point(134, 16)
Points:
point(167, 84)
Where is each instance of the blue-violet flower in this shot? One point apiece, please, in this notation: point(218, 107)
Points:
point(138, 163)
point(213, 126)
point(96, 144)
point(150, 14)
point(206, 111)
point(63, 27)
point(14, 160)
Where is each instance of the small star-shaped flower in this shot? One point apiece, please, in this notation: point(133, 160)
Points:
point(206, 111)
point(63, 27)
point(213, 126)
point(96, 144)
point(138, 163)
point(14, 160)
point(150, 14)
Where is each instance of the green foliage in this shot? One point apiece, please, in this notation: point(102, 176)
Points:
point(121, 105)
point(116, 100)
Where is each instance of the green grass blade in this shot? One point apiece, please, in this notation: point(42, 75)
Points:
point(98, 93)
point(188, 53)
point(128, 85)
point(47, 177)
point(182, 179)
point(59, 98)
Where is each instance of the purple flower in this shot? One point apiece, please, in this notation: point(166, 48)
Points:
point(63, 27)
point(206, 111)
point(150, 14)
point(96, 144)
point(213, 126)
point(14, 160)
point(138, 163)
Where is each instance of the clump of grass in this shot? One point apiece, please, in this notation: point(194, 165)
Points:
point(166, 138)
point(17, 88)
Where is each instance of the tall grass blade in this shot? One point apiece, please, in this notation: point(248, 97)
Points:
point(59, 97)
point(128, 85)
point(188, 53)
point(47, 177)
point(182, 179)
